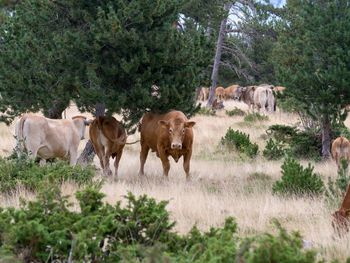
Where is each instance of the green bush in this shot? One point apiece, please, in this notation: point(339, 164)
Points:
point(239, 141)
point(24, 171)
point(235, 112)
point(297, 180)
point(46, 230)
point(255, 116)
point(274, 150)
point(282, 133)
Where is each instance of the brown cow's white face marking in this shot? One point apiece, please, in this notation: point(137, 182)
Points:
point(176, 130)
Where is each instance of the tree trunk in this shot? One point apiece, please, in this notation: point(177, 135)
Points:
point(326, 137)
point(55, 112)
point(88, 153)
point(217, 59)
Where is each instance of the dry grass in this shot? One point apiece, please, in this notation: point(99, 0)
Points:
point(222, 185)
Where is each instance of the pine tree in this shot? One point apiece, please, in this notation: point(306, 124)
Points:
point(312, 59)
point(109, 52)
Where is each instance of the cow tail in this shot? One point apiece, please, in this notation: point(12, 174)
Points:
point(19, 134)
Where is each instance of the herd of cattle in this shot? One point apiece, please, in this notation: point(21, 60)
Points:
point(260, 97)
point(167, 135)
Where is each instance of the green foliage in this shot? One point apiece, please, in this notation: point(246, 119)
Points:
point(282, 133)
point(235, 112)
point(274, 150)
point(206, 111)
point(104, 51)
point(255, 116)
point(25, 172)
point(239, 141)
point(297, 180)
point(336, 189)
point(284, 247)
point(140, 231)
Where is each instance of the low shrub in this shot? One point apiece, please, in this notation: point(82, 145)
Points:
point(255, 116)
point(282, 133)
point(206, 111)
point(239, 141)
point(297, 180)
point(235, 112)
point(46, 230)
point(274, 150)
point(25, 172)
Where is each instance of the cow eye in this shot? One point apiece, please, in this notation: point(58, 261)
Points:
point(183, 130)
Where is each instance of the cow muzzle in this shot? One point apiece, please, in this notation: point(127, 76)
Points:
point(176, 146)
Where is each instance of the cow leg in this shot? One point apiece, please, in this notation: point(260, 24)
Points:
point(116, 162)
point(143, 157)
point(187, 159)
point(165, 163)
point(73, 157)
point(107, 170)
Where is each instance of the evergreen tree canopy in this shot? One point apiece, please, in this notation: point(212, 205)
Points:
point(312, 56)
point(99, 51)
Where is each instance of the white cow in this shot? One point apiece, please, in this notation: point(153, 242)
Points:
point(49, 138)
point(264, 98)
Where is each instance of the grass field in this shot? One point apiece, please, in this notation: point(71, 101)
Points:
point(222, 184)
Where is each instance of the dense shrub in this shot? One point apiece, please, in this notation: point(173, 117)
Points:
point(235, 112)
point(239, 141)
point(46, 230)
point(282, 133)
point(297, 180)
point(255, 116)
point(274, 150)
point(24, 171)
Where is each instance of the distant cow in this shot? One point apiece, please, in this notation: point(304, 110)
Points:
point(108, 137)
point(341, 217)
point(264, 98)
point(48, 138)
point(167, 134)
point(341, 150)
point(218, 104)
point(220, 93)
point(230, 92)
point(245, 94)
point(279, 89)
point(203, 94)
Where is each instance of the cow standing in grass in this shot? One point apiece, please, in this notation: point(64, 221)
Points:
point(167, 134)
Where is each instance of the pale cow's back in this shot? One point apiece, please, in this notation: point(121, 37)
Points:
point(263, 97)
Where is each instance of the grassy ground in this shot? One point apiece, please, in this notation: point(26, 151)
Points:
point(223, 184)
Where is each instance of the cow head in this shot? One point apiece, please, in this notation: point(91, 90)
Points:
point(341, 221)
point(80, 123)
point(237, 95)
point(176, 130)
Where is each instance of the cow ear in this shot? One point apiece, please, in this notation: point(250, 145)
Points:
point(163, 123)
point(189, 124)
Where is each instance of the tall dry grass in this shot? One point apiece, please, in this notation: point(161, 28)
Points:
point(222, 185)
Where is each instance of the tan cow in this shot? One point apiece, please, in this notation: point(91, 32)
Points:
point(48, 138)
point(108, 137)
point(341, 217)
point(230, 92)
point(167, 134)
point(245, 94)
point(220, 93)
point(203, 94)
point(340, 150)
point(264, 98)
point(279, 89)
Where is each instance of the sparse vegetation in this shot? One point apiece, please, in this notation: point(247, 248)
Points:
point(235, 112)
point(239, 141)
point(338, 187)
point(255, 116)
point(206, 111)
point(297, 180)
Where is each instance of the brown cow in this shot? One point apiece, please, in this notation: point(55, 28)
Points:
point(341, 217)
point(220, 93)
point(50, 138)
point(230, 92)
point(218, 104)
point(167, 134)
point(246, 94)
point(203, 94)
point(108, 137)
point(340, 150)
